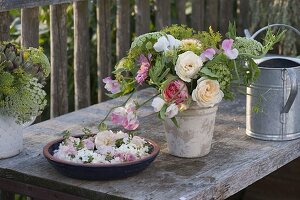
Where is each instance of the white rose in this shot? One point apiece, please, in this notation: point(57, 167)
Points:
point(188, 65)
point(105, 138)
point(207, 93)
point(157, 104)
point(166, 43)
point(172, 111)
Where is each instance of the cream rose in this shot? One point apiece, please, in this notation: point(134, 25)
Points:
point(207, 93)
point(188, 65)
point(105, 138)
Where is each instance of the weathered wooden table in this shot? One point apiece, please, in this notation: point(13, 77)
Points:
point(234, 162)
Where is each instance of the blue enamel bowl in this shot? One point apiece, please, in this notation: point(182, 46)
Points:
point(91, 171)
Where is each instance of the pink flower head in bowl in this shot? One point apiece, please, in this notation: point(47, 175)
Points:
point(145, 65)
point(176, 91)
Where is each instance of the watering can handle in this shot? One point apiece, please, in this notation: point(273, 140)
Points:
point(293, 92)
point(247, 33)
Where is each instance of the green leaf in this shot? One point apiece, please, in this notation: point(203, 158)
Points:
point(102, 127)
point(208, 72)
point(164, 75)
point(162, 112)
point(175, 122)
point(231, 30)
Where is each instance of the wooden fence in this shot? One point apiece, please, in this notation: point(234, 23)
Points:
point(204, 13)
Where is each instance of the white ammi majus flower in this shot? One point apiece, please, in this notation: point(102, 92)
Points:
point(188, 65)
point(207, 93)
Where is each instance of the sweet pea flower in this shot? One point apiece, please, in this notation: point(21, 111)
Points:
point(89, 144)
point(157, 104)
point(125, 116)
point(111, 85)
point(208, 54)
point(166, 43)
point(172, 111)
point(228, 51)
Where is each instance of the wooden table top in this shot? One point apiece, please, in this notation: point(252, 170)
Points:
point(235, 160)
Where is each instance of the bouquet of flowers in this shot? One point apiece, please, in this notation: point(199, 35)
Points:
point(185, 66)
point(22, 78)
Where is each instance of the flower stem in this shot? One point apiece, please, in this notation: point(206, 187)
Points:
point(129, 97)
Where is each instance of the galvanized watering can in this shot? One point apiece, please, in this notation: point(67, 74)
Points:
point(276, 93)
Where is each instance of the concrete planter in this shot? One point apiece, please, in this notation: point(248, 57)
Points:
point(11, 136)
point(194, 136)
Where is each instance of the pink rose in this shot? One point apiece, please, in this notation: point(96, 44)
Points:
point(176, 91)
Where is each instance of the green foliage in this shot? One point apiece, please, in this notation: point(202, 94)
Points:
point(21, 93)
point(220, 68)
point(209, 38)
point(179, 31)
point(271, 39)
point(248, 46)
point(231, 31)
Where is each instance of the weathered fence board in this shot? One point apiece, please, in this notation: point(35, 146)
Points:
point(18, 4)
point(225, 14)
point(243, 15)
point(123, 28)
point(30, 27)
point(211, 15)
point(103, 45)
point(58, 37)
point(142, 19)
point(163, 14)
point(198, 11)
point(180, 11)
point(4, 26)
point(81, 55)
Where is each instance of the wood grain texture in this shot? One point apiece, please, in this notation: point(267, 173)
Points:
point(30, 27)
point(6, 5)
point(123, 28)
point(142, 17)
point(243, 16)
point(198, 11)
point(234, 162)
point(180, 11)
point(81, 55)
point(59, 65)
point(4, 26)
point(225, 15)
point(211, 15)
point(162, 14)
point(103, 45)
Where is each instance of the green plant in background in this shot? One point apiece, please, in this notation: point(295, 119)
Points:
point(22, 75)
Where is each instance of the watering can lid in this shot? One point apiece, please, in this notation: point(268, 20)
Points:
point(271, 57)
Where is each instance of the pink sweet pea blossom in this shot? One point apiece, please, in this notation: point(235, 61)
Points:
point(228, 51)
point(208, 54)
point(111, 85)
point(125, 116)
point(142, 74)
point(89, 144)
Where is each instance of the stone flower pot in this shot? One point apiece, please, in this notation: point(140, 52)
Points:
point(193, 138)
point(11, 136)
